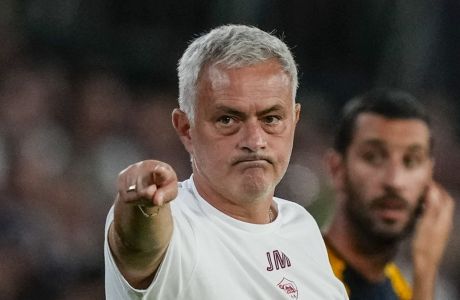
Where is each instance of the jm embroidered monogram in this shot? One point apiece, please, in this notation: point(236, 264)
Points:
point(277, 260)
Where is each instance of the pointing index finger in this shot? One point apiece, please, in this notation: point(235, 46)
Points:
point(165, 180)
point(162, 174)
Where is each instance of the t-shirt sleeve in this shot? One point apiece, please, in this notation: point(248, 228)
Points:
point(179, 262)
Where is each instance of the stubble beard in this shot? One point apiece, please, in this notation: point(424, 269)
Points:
point(367, 229)
point(257, 187)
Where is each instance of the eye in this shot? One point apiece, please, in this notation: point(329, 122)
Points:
point(225, 120)
point(373, 157)
point(272, 120)
point(412, 161)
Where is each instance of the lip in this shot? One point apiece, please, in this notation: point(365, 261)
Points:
point(259, 163)
point(391, 214)
point(391, 208)
point(257, 160)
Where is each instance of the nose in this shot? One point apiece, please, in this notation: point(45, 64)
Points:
point(253, 137)
point(394, 176)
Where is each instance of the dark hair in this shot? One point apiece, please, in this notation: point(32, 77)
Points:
point(387, 102)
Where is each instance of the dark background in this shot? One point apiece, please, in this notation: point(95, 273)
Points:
point(87, 87)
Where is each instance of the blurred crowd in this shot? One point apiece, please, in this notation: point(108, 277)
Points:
point(66, 132)
point(61, 148)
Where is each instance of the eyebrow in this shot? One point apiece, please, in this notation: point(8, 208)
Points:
point(238, 113)
point(379, 143)
point(373, 142)
point(274, 108)
point(417, 147)
point(229, 110)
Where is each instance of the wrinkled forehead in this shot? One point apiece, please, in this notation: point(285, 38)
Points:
point(221, 76)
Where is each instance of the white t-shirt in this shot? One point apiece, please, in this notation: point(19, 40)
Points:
point(212, 256)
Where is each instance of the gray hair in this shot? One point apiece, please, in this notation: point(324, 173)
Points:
point(233, 46)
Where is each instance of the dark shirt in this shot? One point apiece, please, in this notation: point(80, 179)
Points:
point(393, 287)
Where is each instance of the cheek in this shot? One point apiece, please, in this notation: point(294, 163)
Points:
point(418, 183)
point(362, 189)
point(424, 175)
point(280, 153)
point(364, 180)
point(212, 152)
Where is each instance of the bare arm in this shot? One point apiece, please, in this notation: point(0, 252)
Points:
point(430, 240)
point(139, 242)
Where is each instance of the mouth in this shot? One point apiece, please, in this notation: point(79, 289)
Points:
point(252, 160)
point(253, 164)
point(391, 209)
point(391, 215)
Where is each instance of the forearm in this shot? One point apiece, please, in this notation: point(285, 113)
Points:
point(424, 278)
point(138, 233)
point(138, 243)
point(430, 240)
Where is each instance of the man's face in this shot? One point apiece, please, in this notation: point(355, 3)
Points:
point(386, 171)
point(243, 133)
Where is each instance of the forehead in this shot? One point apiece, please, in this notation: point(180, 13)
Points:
point(399, 133)
point(263, 81)
point(271, 69)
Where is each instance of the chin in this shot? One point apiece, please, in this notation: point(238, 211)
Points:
point(392, 233)
point(255, 189)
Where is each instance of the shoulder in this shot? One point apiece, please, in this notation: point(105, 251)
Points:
point(293, 211)
point(185, 197)
point(297, 220)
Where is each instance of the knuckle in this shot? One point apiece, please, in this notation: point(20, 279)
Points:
point(142, 195)
point(123, 172)
point(161, 169)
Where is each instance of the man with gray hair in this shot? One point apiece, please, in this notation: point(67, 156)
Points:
point(221, 234)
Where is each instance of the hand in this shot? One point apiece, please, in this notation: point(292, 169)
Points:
point(147, 183)
point(430, 239)
point(434, 226)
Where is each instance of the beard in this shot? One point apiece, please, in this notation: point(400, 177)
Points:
point(371, 230)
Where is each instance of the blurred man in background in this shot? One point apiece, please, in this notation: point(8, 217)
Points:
point(382, 170)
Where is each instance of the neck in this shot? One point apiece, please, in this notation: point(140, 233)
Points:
point(255, 211)
point(367, 257)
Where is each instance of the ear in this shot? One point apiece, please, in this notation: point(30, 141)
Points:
point(297, 112)
point(335, 164)
point(181, 124)
point(433, 164)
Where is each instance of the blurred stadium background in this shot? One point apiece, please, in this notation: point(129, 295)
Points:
point(87, 87)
